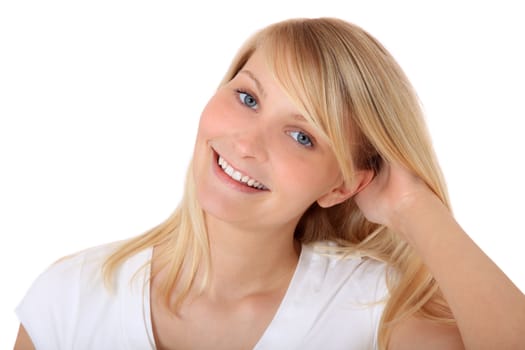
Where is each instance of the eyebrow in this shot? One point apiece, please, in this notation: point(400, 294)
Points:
point(255, 80)
point(300, 118)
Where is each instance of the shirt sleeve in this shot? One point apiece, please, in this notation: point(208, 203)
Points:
point(381, 295)
point(48, 309)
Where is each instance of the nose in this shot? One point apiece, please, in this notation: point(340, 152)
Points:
point(250, 143)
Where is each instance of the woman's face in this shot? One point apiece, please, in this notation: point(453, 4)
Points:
point(257, 160)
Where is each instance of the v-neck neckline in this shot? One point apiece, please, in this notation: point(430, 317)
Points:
point(273, 327)
point(270, 330)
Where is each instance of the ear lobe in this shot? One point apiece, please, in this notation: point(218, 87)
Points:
point(342, 192)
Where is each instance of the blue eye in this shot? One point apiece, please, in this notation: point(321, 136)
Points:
point(301, 138)
point(247, 99)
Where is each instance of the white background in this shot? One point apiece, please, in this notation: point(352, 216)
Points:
point(99, 102)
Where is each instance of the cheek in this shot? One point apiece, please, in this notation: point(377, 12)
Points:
point(210, 119)
point(209, 124)
point(220, 112)
point(306, 179)
point(312, 172)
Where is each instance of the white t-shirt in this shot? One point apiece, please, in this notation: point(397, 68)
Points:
point(331, 303)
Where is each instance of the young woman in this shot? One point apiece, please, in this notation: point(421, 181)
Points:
point(314, 216)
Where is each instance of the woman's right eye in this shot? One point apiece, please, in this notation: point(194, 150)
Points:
point(247, 99)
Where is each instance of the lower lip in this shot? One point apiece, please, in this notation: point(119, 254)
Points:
point(229, 181)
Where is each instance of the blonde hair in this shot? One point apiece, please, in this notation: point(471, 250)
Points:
point(356, 95)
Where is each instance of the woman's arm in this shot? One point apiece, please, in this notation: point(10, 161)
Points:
point(23, 342)
point(488, 307)
point(417, 333)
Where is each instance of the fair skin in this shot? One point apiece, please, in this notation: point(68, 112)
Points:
point(252, 124)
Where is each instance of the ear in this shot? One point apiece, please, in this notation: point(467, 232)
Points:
point(342, 191)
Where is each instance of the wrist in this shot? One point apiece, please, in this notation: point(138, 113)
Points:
point(416, 214)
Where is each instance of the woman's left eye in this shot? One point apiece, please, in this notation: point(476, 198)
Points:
point(247, 99)
point(301, 138)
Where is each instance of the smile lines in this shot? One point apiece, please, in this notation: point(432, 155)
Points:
point(238, 176)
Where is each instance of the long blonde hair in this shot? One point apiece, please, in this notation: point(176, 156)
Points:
point(354, 93)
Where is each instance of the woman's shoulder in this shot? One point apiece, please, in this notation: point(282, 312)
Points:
point(76, 269)
point(70, 297)
point(82, 271)
point(361, 274)
point(333, 300)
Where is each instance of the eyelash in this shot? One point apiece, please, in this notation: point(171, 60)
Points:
point(240, 92)
point(297, 132)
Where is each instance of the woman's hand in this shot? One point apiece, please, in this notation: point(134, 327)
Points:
point(392, 195)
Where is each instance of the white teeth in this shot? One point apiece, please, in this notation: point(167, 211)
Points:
point(238, 176)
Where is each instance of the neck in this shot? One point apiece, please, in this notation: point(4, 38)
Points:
point(247, 261)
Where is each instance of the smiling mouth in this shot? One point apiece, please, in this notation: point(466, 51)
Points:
point(240, 177)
